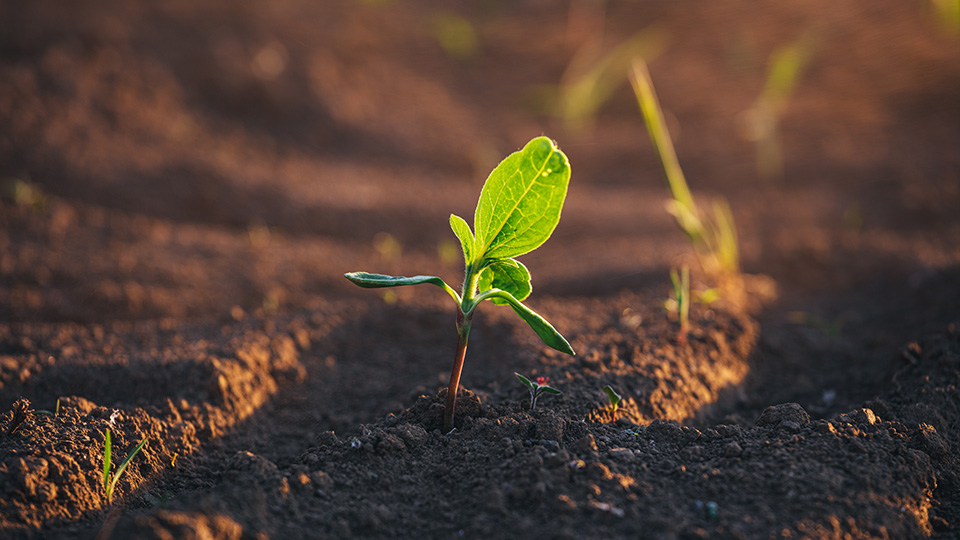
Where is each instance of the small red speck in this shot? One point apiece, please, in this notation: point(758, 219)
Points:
point(542, 380)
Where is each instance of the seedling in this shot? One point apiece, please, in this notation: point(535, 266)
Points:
point(761, 121)
point(518, 210)
point(55, 413)
point(537, 388)
point(613, 397)
point(591, 78)
point(715, 242)
point(110, 480)
point(679, 301)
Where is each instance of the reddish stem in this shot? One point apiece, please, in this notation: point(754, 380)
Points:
point(463, 332)
point(682, 335)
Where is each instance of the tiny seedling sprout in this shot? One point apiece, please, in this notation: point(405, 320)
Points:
point(518, 210)
point(55, 413)
point(537, 388)
point(613, 397)
point(110, 479)
point(760, 122)
point(679, 301)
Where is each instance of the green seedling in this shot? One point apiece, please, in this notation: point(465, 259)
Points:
point(110, 479)
point(613, 397)
point(537, 388)
point(591, 77)
point(761, 121)
point(679, 301)
point(55, 413)
point(714, 242)
point(518, 210)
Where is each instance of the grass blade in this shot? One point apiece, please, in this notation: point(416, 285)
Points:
point(123, 466)
point(106, 462)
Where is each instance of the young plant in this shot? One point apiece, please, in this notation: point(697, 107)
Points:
point(679, 302)
point(613, 397)
point(54, 413)
point(591, 78)
point(110, 480)
point(716, 241)
point(761, 121)
point(537, 388)
point(518, 210)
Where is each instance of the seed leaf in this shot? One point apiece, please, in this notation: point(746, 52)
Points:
point(508, 275)
point(467, 242)
point(550, 390)
point(376, 281)
point(612, 395)
point(545, 330)
point(520, 202)
point(523, 380)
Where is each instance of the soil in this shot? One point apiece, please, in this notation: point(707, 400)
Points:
point(185, 183)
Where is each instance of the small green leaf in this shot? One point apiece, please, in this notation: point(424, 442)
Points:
point(545, 330)
point(550, 390)
point(612, 395)
point(467, 242)
point(523, 380)
point(376, 281)
point(508, 275)
point(520, 202)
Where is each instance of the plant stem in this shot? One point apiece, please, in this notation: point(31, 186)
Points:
point(463, 332)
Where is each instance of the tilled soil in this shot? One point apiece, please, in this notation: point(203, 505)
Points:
point(184, 186)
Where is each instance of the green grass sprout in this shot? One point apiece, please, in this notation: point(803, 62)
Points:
point(679, 301)
point(537, 388)
point(591, 77)
point(518, 210)
point(761, 122)
point(715, 241)
point(110, 479)
point(613, 398)
point(55, 413)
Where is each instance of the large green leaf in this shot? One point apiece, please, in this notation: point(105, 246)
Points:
point(462, 230)
point(508, 275)
point(543, 329)
point(520, 202)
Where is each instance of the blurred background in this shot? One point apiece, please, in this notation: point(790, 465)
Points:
point(190, 159)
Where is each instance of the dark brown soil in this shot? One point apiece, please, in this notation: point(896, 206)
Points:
point(184, 184)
